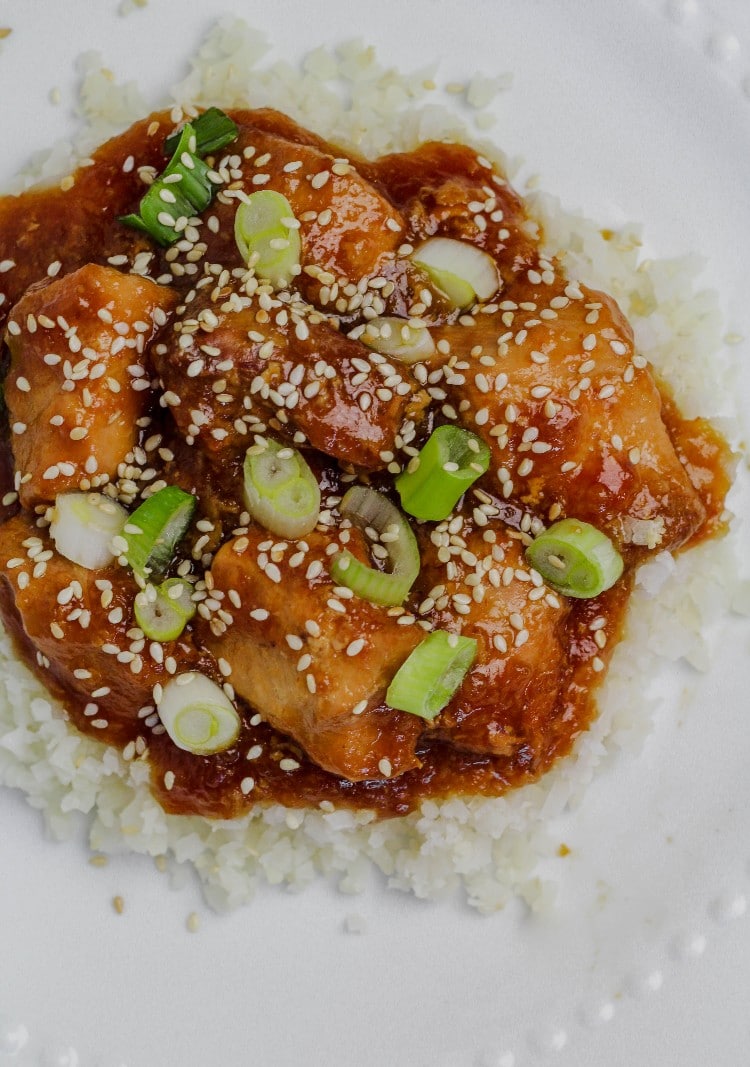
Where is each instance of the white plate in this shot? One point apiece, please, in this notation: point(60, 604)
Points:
point(627, 110)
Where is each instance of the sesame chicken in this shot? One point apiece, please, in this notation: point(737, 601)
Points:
point(316, 663)
point(489, 593)
point(77, 381)
point(571, 414)
point(239, 363)
point(139, 365)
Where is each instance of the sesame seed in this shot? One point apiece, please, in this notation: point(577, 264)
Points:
point(385, 767)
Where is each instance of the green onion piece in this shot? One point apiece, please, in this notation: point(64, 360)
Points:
point(575, 558)
point(267, 236)
point(427, 680)
point(163, 612)
point(181, 190)
point(450, 462)
point(281, 492)
point(368, 509)
point(83, 527)
point(198, 715)
point(194, 183)
point(392, 336)
point(154, 529)
point(213, 130)
point(159, 218)
point(463, 272)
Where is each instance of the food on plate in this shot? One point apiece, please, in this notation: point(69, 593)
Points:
point(328, 485)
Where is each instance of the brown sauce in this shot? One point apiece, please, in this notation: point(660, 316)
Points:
point(84, 228)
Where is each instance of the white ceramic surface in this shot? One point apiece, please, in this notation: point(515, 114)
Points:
point(627, 110)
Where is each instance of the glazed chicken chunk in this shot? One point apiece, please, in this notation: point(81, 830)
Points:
point(571, 414)
point(79, 624)
point(314, 660)
point(77, 381)
point(234, 364)
point(514, 686)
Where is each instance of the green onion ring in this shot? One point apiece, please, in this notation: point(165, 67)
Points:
point(575, 558)
point(427, 680)
point(367, 508)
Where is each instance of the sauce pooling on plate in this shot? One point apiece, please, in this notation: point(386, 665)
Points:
point(391, 327)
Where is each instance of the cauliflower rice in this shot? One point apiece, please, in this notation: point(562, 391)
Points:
point(493, 848)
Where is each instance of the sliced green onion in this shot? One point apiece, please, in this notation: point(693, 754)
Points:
point(154, 529)
point(181, 190)
point(427, 680)
point(194, 183)
point(163, 612)
point(281, 492)
point(157, 218)
point(368, 509)
point(214, 130)
point(395, 337)
point(575, 558)
point(450, 462)
point(267, 236)
point(198, 715)
point(83, 526)
point(462, 271)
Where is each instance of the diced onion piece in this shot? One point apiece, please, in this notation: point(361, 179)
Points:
point(427, 680)
point(575, 558)
point(367, 508)
point(155, 528)
point(163, 612)
point(394, 337)
point(462, 271)
point(198, 715)
point(450, 462)
point(281, 492)
point(213, 130)
point(264, 237)
point(83, 526)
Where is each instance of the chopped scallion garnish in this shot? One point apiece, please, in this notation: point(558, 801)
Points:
point(163, 611)
point(392, 336)
point(154, 529)
point(448, 464)
point(463, 272)
point(184, 188)
point(83, 526)
point(427, 680)
point(198, 715)
point(187, 175)
point(214, 130)
point(575, 558)
point(281, 492)
point(367, 508)
point(267, 236)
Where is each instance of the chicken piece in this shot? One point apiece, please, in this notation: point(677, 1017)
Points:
point(571, 414)
point(348, 228)
point(77, 381)
point(229, 370)
point(486, 591)
point(448, 190)
point(314, 663)
point(72, 626)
